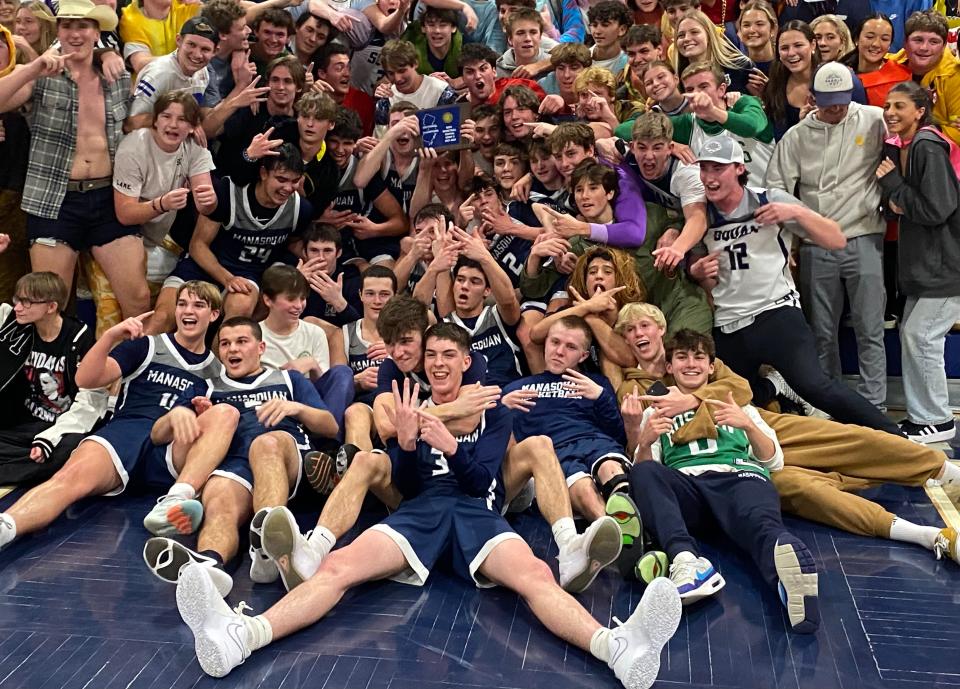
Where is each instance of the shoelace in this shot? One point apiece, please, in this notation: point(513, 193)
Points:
point(940, 546)
point(241, 607)
point(684, 570)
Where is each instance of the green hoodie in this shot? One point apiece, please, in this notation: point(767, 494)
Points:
point(416, 35)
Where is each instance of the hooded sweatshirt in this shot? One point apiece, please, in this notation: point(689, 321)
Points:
point(833, 166)
point(929, 195)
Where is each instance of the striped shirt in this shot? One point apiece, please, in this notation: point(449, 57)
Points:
point(53, 123)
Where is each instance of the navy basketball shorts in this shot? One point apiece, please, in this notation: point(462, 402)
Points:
point(134, 455)
point(578, 459)
point(236, 464)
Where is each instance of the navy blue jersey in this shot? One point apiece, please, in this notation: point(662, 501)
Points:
point(247, 394)
point(356, 349)
point(564, 416)
point(248, 240)
point(155, 372)
point(389, 372)
point(318, 308)
point(510, 252)
point(496, 341)
point(400, 184)
point(473, 470)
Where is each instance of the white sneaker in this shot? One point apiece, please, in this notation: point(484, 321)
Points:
point(167, 559)
point(220, 635)
point(263, 570)
point(7, 533)
point(694, 577)
point(174, 515)
point(295, 557)
point(635, 645)
point(586, 554)
point(798, 585)
point(522, 501)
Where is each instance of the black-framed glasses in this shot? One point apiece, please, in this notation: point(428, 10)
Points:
point(27, 303)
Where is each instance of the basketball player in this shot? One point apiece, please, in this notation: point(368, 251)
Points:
point(154, 371)
point(457, 509)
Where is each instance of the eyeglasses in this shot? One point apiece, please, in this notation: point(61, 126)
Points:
point(27, 303)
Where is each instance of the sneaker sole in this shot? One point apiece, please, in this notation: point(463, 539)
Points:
point(193, 602)
point(277, 540)
point(938, 437)
point(798, 575)
point(320, 468)
point(261, 571)
point(604, 549)
point(652, 565)
point(180, 520)
point(659, 615)
point(170, 573)
point(709, 587)
point(631, 527)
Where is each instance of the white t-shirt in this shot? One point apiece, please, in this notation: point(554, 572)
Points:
point(307, 340)
point(143, 170)
point(164, 75)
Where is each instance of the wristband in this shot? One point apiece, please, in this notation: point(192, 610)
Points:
point(160, 203)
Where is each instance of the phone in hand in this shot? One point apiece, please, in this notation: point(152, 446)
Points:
point(658, 389)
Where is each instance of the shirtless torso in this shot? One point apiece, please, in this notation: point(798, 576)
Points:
point(91, 159)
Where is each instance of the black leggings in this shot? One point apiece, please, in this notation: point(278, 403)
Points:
point(781, 338)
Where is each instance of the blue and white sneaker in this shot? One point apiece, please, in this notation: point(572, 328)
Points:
point(174, 516)
point(694, 577)
point(798, 583)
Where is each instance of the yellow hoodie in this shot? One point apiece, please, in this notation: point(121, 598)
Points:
point(944, 82)
point(6, 38)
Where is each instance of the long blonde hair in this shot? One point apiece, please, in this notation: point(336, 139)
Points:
point(722, 52)
point(48, 24)
point(765, 8)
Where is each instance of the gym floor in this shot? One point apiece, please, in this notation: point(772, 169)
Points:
point(79, 609)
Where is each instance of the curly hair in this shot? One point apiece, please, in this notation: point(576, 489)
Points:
point(623, 268)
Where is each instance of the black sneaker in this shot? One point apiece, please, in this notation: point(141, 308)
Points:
point(929, 433)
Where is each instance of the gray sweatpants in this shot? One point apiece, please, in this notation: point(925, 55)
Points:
point(823, 275)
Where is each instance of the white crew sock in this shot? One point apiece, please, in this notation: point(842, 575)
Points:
point(8, 529)
point(323, 540)
point(951, 474)
point(182, 490)
point(600, 644)
point(259, 631)
point(903, 530)
point(564, 530)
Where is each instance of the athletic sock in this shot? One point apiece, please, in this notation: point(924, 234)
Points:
point(951, 474)
point(215, 556)
point(182, 490)
point(8, 529)
point(903, 530)
point(600, 644)
point(259, 631)
point(564, 530)
point(323, 540)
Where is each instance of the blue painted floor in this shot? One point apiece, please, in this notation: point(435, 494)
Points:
point(78, 609)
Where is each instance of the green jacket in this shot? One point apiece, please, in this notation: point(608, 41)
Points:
point(682, 301)
point(746, 118)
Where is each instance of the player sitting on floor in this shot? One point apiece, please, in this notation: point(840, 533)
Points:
point(457, 509)
point(578, 411)
point(722, 478)
point(826, 463)
point(263, 464)
point(154, 371)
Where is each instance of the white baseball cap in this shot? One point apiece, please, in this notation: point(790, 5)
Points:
point(833, 85)
point(720, 149)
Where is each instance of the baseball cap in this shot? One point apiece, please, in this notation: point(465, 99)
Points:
point(720, 149)
point(833, 85)
point(199, 26)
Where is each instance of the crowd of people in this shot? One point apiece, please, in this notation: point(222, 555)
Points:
point(618, 290)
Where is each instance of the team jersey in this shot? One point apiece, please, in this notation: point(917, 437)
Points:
point(564, 416)
point(400, 183)
point(679, 185)
point(754, 260)
point(356, 348)
point(495, 340)
point(365, 69)
point(245, 245)
point(729, 451)
point(155, 373)
point(247, 394)
point(473, 470)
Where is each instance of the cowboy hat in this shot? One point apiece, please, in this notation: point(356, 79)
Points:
point(105, 17)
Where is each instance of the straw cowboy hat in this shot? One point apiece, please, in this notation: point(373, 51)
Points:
point(105, 17)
